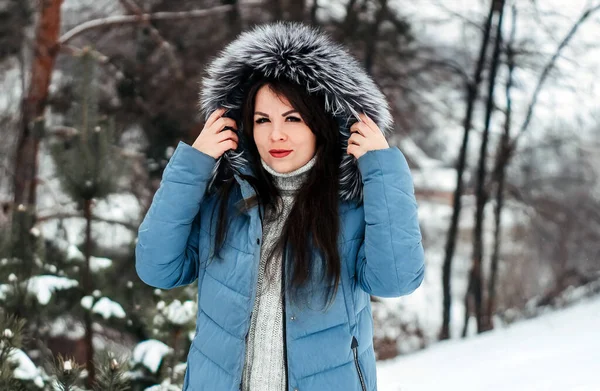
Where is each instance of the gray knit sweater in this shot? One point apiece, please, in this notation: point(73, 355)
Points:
point(264, 363)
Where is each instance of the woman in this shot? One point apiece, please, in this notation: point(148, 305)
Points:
point(290, 209)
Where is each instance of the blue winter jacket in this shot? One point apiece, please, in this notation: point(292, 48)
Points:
point(381, 254)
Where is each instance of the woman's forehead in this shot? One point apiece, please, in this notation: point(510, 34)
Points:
point(267, 99)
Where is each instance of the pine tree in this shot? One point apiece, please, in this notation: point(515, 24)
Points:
point(11, 338)
point(172, 330)
point(21, 253)
point(112, 374)
point(66, 373)
point(173, 323)
point(87, 166)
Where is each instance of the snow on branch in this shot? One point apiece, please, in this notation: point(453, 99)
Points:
point(150, 354)
point(105, 307)
point(68, 215)
point(42, 287)
point(24, 368)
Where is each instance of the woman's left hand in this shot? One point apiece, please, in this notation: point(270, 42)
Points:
point(365, 136)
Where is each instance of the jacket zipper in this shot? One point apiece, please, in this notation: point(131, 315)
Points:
point(283, 278)
point(354, 347)
point(260, 215)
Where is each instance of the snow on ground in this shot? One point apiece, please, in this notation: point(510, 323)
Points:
point(557, 351)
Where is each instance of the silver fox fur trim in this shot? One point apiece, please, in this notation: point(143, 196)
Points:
point(309, 58)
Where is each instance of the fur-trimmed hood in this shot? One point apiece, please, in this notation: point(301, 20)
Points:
point(309, 58)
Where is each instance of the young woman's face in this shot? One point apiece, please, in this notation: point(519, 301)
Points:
point(283, 139)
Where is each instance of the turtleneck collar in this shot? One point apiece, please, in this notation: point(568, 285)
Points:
point(290, 181)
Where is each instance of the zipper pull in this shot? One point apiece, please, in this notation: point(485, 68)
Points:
point(354, 344)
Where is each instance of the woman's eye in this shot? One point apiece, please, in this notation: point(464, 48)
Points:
point(261, 120)
point(294, 119)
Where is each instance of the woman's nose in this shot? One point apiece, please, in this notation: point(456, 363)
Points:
point(277, 133)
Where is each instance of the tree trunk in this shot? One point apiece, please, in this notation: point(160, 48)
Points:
point(87, 290)
point(350, 20)
point(34, 103)
point(276, 9)
point(483, 323)
point(468, 308)
point(233, 17)
point(296, 10)
point(472, 93)
point(500, 173)
point(175, 346)
point(313, 12)
point(491, 299)
point(371, 41)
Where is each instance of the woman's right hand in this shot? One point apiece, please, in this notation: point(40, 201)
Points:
point(213, 140)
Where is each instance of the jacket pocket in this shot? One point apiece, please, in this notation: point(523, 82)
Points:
point(361, 378)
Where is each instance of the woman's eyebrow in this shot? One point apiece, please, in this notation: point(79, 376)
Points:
point(267, 115)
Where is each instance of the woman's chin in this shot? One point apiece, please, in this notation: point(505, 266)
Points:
point(280, 166)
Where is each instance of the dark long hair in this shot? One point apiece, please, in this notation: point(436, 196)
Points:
point(313, 222)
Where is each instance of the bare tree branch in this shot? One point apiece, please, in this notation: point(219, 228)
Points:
point(439, 63)
point(162, 43)
point(67, 215)
point(547, 70)
point(96, 55)
point(120, 20)
point(455, 15)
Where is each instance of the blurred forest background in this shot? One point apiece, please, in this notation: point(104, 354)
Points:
point(495, 105)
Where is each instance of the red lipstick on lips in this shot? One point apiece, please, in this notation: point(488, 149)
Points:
point(279, 153)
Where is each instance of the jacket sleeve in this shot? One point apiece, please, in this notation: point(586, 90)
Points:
point(390, 261)
point(166, 253)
